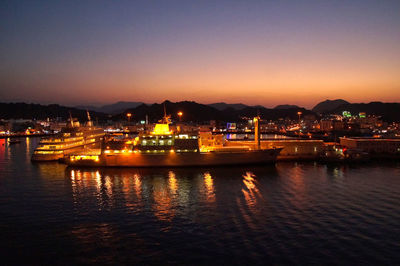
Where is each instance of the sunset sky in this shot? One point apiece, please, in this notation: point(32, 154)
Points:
point(254, 52)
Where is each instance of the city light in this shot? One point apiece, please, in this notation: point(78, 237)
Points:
point(180, 114)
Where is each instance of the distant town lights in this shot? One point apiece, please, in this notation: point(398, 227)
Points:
point(180, 115)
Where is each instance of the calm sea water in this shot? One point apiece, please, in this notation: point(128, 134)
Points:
point(288, 213)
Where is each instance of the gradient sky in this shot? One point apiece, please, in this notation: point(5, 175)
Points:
point(254, 52)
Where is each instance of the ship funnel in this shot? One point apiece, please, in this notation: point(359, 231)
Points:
point(256, 121)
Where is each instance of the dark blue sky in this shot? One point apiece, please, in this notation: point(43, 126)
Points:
point(256, 52)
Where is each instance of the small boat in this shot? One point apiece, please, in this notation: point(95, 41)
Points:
point(14, 141)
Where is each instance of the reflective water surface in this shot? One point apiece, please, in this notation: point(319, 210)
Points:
point(288, 213)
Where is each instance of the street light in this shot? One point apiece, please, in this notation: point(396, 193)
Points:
point(180, 115)
point(299, 114)
point(128, 115)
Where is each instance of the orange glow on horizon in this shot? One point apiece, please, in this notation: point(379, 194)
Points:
point(267, 53)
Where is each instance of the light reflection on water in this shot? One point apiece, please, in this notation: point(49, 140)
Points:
point(164, 191)
point(209, 185)
point(250, 192)
point(286, 213)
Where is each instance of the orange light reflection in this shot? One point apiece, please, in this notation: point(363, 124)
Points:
point(251, 190)
point(173, 183)
point(162, 201)
point(209, 184)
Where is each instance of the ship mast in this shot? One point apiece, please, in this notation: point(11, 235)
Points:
point(166, 117)
point(70, 118)
point(89, 123)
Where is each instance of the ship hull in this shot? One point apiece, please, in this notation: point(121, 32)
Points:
point(46, 157)
point(179, 159)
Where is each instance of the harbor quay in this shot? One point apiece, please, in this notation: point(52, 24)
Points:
point(292, 149)
point(375, 147)
point(166, 138)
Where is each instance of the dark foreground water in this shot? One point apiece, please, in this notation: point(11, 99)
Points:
point(288, 213)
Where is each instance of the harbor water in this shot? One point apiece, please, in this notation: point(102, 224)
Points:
point(286, 213)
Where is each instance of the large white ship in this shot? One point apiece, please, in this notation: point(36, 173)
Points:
point(73, 138)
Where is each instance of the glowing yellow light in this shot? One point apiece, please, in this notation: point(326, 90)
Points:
point(128, 114)
point(85, 157)
point(171, 151)
point(209, 184)
point(180, 114)
point(161, 129)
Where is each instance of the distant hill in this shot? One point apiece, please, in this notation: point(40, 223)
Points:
point(328, 106)
point(114, 108)
point(388, 111)
point(286, 106)
point(38, 111)
point(196, 112)
point(192, 111)
point(222, 106)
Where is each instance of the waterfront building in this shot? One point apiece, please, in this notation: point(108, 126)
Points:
point(373, 145)
point(207, 140)
point(297, 148)
point(331, 125)
point(292, 148)
point(326, 125)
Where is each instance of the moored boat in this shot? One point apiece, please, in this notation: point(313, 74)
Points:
point(165, 148)
point(71, 139)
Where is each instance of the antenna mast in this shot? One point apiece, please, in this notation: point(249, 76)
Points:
point(89, 123)
point(165, 118)
point(70, 118)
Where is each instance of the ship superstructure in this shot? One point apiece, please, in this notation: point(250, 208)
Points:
point(71, 139)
